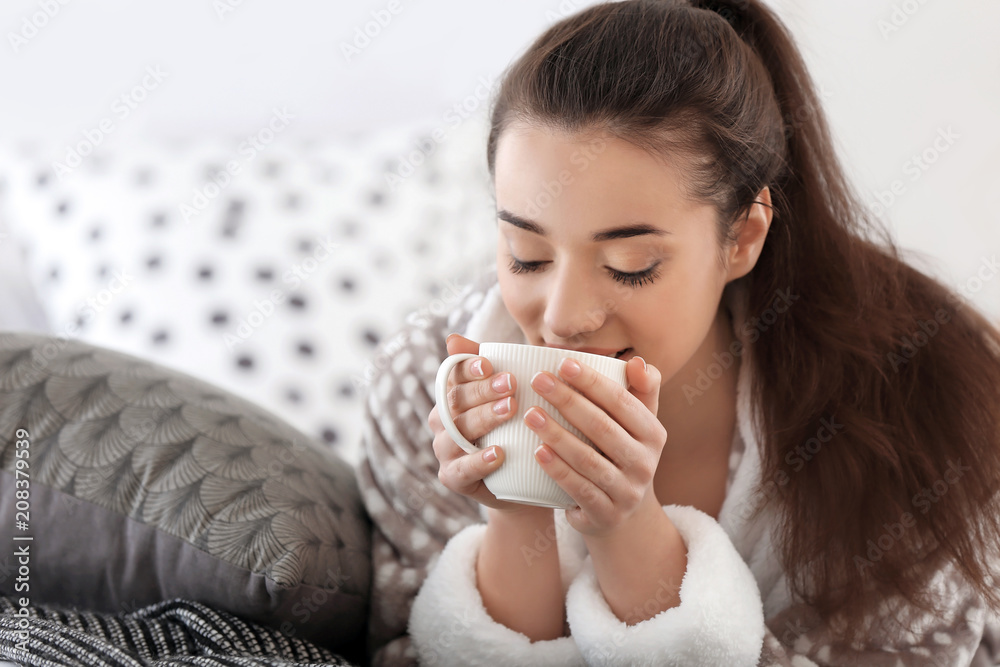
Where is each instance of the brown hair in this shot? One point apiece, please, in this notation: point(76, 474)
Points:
point(875, 345)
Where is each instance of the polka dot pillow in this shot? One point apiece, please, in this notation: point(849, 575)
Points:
point(273, 274)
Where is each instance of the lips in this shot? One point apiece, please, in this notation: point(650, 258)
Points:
point(602, 351)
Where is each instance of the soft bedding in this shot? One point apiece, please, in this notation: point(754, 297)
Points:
point(175, 632)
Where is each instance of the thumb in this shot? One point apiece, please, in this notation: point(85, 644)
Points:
point(644, 382)
point(458, 344)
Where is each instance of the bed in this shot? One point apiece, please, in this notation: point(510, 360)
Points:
point(182, 367)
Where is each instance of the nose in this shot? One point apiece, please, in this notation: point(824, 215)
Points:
point(573, 305)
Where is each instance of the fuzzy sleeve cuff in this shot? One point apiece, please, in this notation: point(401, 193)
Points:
point(450, 626)
point(719, 621)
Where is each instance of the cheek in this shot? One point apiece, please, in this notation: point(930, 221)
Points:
point(517, 301)
point(671, 345)
point(674, 321)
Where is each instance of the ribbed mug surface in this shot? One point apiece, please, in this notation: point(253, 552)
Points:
point(520, 478)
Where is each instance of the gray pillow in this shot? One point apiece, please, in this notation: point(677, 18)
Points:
point(139, 484)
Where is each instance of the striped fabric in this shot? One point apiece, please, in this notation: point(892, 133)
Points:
point(177, 632)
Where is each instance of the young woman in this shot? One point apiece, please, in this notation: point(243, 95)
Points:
point(804, 468)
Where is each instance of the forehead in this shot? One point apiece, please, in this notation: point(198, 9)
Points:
point(593, 177)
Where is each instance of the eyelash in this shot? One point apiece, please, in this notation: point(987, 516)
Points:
point(637, 279)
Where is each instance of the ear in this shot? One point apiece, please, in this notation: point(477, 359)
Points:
point(742, 255)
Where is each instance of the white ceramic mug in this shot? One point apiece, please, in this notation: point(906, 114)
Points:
point(520, 479)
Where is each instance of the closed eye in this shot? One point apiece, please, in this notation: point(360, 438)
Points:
point(638, 278)
point(517, 266)
point(632, 279)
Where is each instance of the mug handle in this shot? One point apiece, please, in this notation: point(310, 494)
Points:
point(441, 396)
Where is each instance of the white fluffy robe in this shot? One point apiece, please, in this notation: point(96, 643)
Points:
point(450, 626)
point(720, 619)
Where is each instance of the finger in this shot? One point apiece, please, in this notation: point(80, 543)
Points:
point(644, 382)
point(434, 422)
point(470, 369)
point(585, 415)
point(466, 472)
point(591, 498)
point(586, 460)
point(458, 344)
point(446, 449)
point(615, 400)
point(472, 394)
point(476, 422)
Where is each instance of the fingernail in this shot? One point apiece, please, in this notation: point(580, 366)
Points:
point(477, 368)
point(535, 418)
point(490, 455)
point(502, 406)
point(501, 383)
point(543, 382)
point(543, 454)
point(643, 363)
point(569, 368)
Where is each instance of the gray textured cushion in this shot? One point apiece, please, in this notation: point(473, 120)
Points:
point(146, 485)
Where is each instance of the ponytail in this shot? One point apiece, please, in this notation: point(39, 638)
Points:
point(722, 82)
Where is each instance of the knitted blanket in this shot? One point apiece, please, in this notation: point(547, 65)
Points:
point(177, 632)
point(425, 541)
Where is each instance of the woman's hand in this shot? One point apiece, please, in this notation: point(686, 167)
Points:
point(610, 483)
point(479, 401)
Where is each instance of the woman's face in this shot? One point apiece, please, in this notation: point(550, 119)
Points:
point(599, 250)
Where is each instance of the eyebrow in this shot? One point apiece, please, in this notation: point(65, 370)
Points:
point(624, 232)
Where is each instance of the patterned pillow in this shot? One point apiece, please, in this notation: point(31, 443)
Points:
point(134, 484)
point(273, 273)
